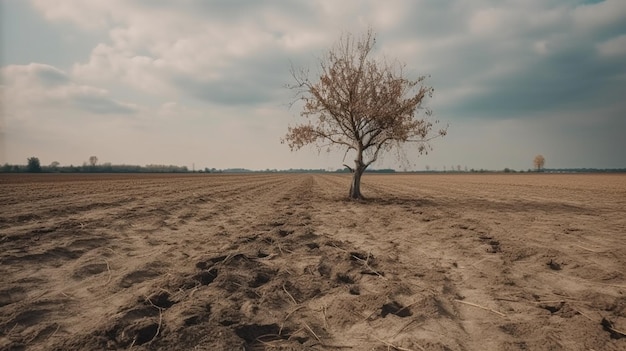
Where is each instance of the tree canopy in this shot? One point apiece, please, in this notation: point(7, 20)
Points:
point(33, 165)
point(539, 162)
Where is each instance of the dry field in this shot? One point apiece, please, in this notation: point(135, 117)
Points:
point(283, 262)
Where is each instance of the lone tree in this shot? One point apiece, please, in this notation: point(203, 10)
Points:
point(539, 162)
point(93, 161)
point(360, 104)
point(33, 165)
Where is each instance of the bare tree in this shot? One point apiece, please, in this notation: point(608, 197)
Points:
point(362, 105)
point(539, 162)
point(93, 161)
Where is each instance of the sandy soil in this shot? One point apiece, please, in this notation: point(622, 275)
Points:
point(284, 262)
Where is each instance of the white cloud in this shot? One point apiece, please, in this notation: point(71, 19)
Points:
point(153, 50)
point(41, 85)
point(87, 14)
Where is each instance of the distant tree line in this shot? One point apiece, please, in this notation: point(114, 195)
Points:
point(33, 165)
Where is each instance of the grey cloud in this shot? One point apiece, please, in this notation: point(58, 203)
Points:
point(569, 78)
point(570, 74)
point(248, 81)
point(101, 105)
point(50, 76)
point(224, 92)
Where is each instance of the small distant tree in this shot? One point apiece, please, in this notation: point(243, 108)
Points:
point(362, 105)
point(33, 165)
point(427, 168)
point(93, 161)
point(539, 162)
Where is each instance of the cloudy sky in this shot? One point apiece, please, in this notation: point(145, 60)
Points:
point(202, 82)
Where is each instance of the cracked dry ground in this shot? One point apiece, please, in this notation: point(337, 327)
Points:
point(284, 262)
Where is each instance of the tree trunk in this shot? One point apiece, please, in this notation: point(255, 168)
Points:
point(355, 187)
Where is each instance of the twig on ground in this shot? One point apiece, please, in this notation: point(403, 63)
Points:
point(607, 324)
point(159, 326)
point(583, 314)
point(294, 333)
point(286, 250)
point(160, 319)
point(337, 247)
point(67, 295)
point(312, 332)
point(57, 329)
point(14, 326)
point(481, 307)
point(225, 260)
point(287, 317)
point(193, 291)
point(366, 265)
point(288, 294)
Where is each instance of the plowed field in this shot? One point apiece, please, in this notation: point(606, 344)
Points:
point(285, 262)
